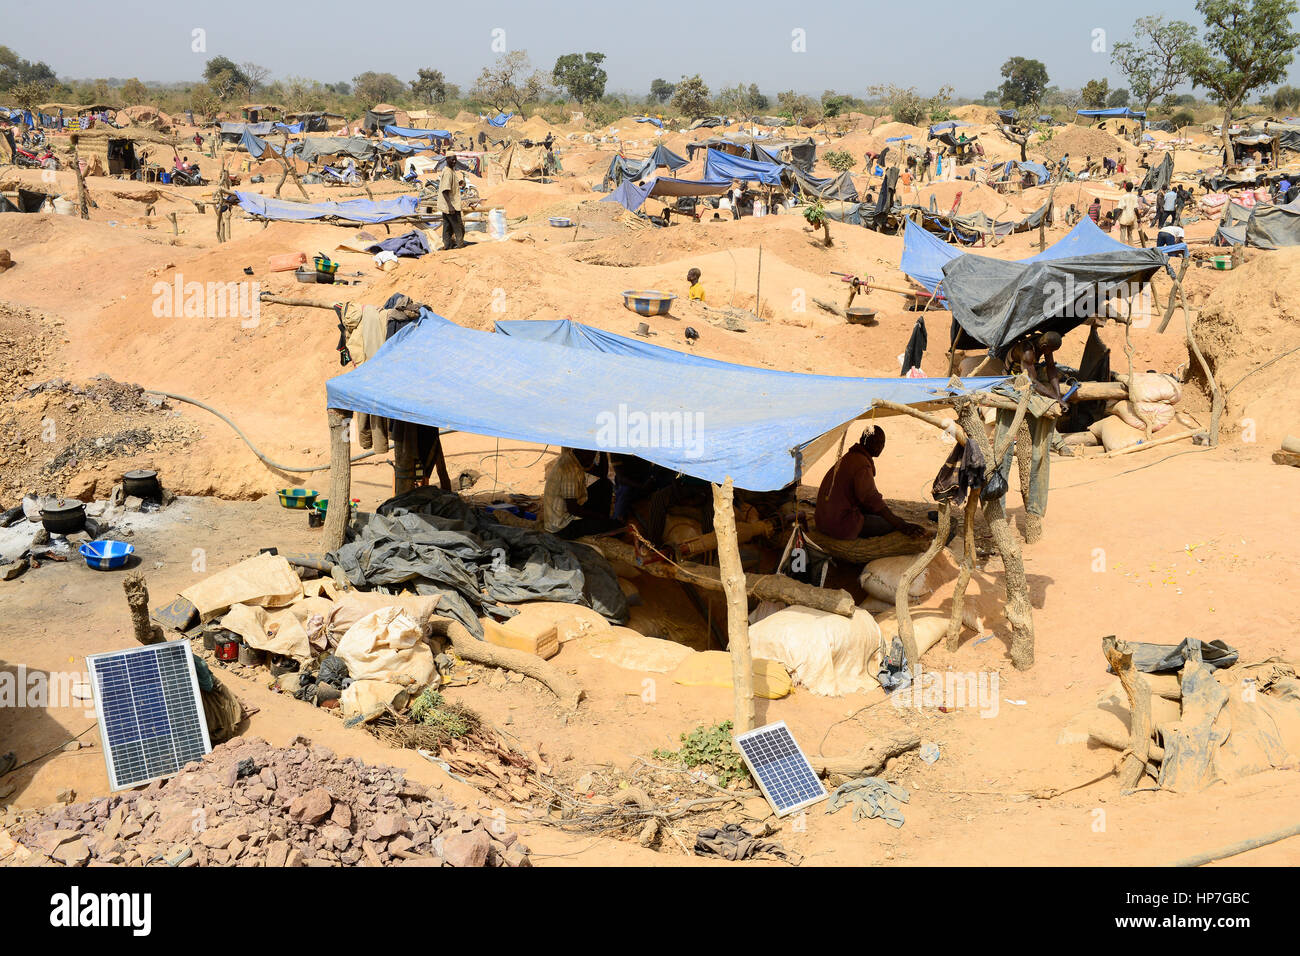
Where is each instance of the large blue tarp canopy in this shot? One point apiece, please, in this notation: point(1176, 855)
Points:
point(408, 132)
point(925, 254)
point(500, 119)
point(352, 210)
point(709, 422)
point(720, 165)
point(943, 127)
point(396, 146)
point(575, 335)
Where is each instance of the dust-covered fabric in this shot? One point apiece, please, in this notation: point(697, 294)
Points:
point(433, 542)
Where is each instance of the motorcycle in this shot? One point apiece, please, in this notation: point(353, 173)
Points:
point(30, 160)
point(187, 177)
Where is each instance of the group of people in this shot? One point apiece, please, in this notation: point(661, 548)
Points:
point(594, 492)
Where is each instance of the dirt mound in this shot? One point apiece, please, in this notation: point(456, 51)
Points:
point(973, 113)
point(1079, 142)
point(1249, 332)
point(250, 804)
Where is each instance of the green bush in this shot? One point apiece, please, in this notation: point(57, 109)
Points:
point(710, 747)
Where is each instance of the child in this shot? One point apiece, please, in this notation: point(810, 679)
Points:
point(697, 290)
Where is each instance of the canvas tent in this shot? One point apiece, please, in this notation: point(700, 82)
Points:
point(632, 196)
point(1263, 227)
point(523, 389)
point(719, 165)
point(351, 211)
point(313, 149)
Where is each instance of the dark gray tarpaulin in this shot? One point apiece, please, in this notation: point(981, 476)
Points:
point(311, 149)
point(374, 121)
point(995, 301)
point(839, 187)
point(1274, 227)
point(1159, 177)
point(433, 542)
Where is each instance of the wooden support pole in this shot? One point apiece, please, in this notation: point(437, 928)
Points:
point(340, 508)
point(902, 596)
point(733, 584)
point(1019, 612)
point(1173, 290)
point(83, 202)
point(967, 569)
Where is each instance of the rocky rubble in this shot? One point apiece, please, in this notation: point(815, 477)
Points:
point(250, 804)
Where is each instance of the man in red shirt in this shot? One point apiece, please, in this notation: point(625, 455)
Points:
point(848, 503)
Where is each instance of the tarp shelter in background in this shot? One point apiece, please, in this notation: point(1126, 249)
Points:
point(352, 210)
point(408, 132)
point(995, 302)
point(925, 255)
point(836, 187)
point(757, 426)
point(257, 147)
point(314, 148)
point(652, 120)
point(1114, 112)
point(1266, 227)
point(631, 196)
point(1160, 176)
point(378, 120)
point(944, 127)
point(500, 119)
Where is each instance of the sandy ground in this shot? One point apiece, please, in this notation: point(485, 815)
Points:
point(1195, 543)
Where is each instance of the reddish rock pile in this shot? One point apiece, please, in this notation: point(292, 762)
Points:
point(250, 804)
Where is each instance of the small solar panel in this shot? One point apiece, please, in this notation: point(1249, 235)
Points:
point(782, 771)
point(150, 714)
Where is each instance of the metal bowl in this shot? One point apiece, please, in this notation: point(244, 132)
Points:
point(648, 302)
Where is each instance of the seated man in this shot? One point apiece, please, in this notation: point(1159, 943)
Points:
point(570, 507)
point(848, 503)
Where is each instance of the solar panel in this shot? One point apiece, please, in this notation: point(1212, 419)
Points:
point(150, 714)
point(782, 771)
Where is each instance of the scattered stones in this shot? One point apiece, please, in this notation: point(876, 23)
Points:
point(250, 804)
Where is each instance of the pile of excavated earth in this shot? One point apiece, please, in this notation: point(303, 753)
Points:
point(296, 806)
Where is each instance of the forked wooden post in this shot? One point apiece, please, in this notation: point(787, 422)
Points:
point(340, 507)
point(733, 583)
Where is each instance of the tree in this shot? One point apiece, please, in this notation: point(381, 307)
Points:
point(1024, 81)
point(372, 88)
point(691, 97)
point(28, 94)
point(133, 92)
point(300, 94)
point(1118, 98)
point(510, 82)
point(757, 101)
point(15, 71)
point(254, 76)
point(430, 86)
point(741, 100)
point(581, 75)
point(1094, 93)
point(1248, 44)
point(204, 100)
point(1286, 98)
point(224, 77)
point(1071, 99)
point(1154, 61)
point(661, 91)
point(802, 110)
point(833, 104)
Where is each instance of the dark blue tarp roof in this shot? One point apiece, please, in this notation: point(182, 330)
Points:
point(719, 421)
point(500, 119)
point(409, 132)
point(257, 147)
point(650, 119)
point(352, 210)
point(631, 196)
point(720, 165)
point(938, 128)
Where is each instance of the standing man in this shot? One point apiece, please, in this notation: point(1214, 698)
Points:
point(449, 204)
point(1126, 209)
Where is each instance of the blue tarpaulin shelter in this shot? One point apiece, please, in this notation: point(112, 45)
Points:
point(408, 132)
point(575, 335)
point(631, 196)
point(945, 126)
point(757, 426)
point(257, 147)
point(352, 210)
point(1123, 111)
point(719, 165)
point(500, 119)
point(650, 119)
point(925, 254)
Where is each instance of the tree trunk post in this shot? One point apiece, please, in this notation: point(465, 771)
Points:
point(902, 607)
point(340, 508)
point(1019, 614)
point(733, 583)
point(967, 569)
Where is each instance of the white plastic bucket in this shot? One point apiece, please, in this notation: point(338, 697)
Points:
point(760, 208)
point(63, 206)
point(497, 224)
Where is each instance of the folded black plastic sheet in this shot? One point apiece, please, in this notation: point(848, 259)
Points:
point(1159, 177)
point(1155, 658)
point(433, 542)
point(996, 302)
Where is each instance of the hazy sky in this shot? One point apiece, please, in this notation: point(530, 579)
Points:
point(849, 46)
